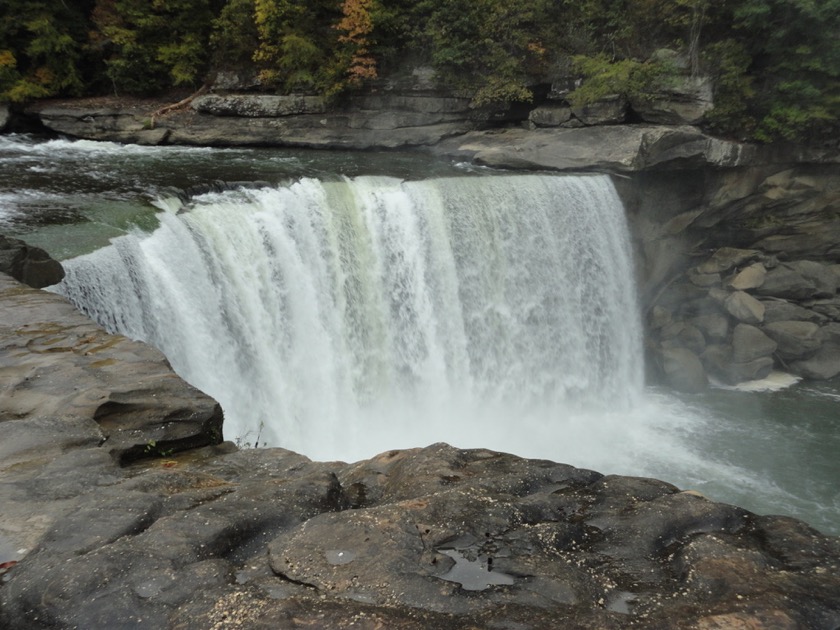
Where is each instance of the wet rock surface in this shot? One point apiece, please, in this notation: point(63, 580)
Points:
point(190, 533)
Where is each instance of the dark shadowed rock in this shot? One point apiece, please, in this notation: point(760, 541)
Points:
point(551, 115)
point(30, 265)
point(776, 310)
point(749, 343)
point(825, 281)
point(822, 365)
point(785, 282)
point(795, 340)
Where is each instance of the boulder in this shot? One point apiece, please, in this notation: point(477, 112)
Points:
point(703, 279)
point(30, 265)
point(781, 310)
point(749, 343)
point(785, 282)
point(683, 335)
point(828, 309)
point(683, 370)
point(750, 277)
point(550, 115)
point(824, 279)
point(718, 360)
point(5, 115)
point(830, 333)
point(714, 326)
point(610, 110)
point(727, 258)
point(822, 365)
point(685, 103)
point(744, 307)
point(795, 339)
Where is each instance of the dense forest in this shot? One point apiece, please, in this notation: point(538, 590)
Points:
point(775, 63)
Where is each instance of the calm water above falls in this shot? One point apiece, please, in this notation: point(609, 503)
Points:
point(407, 303)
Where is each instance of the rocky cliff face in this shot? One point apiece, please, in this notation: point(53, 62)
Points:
point(121, 509)
point(740, 271)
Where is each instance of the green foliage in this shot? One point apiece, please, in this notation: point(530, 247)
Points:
point(150, 46)
point(487, 47)
point(631, 79)
point(734, 89)
point(775, 63)
point(234, 35)
point(41, 49)
point(296, 42)
point(795, 51)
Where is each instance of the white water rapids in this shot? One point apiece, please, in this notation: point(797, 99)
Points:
point(340, 319)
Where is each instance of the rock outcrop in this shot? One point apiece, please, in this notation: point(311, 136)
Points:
point(68, 383)
point(30, 265)
point(778, 275)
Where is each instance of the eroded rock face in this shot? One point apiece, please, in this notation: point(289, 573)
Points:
point(68, 383)
point(728, 271)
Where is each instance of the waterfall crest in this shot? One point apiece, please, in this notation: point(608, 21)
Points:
point(343, 318)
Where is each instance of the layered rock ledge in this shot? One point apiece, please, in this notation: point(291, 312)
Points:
point(121, 508)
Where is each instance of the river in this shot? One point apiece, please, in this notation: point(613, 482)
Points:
point(351, 303)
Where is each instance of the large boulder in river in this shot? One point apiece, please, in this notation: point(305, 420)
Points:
point(683, 370)
point(796, 340)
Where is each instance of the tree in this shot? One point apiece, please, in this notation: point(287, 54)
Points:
point(795, 51)
point(355, 28)
point(150, 46)
point(296, 43)
point(41, 49)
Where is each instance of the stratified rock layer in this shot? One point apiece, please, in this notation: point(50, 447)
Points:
point(119, 511)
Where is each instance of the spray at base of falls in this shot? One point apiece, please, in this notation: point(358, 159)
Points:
point(340, 319)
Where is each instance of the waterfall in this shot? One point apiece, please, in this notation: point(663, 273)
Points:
point(343, 318)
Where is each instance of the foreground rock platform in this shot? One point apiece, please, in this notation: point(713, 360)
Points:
point(121, 509)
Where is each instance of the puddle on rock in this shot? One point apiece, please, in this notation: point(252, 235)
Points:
point(338, 556)
point(473, 575)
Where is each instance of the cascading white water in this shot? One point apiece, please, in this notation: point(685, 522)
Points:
point(343, 318)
